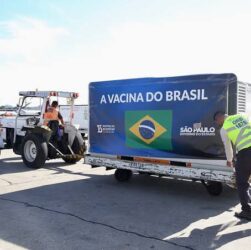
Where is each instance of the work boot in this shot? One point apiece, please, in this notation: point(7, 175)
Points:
point(244, 214)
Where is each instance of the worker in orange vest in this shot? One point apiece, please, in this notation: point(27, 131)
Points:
point(53, 114)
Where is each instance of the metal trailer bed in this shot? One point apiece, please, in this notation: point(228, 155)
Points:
point(210, 175)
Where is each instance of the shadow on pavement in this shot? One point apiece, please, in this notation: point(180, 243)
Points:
point(15, 164)
point(57, 168)
point(98, 212)
point(212, 240)
point(12, 165)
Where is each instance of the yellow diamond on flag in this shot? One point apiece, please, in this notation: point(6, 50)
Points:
point(147, 129)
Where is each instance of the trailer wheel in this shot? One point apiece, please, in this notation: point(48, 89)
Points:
point(34, 151)
point(213, 187)
point(123, 175)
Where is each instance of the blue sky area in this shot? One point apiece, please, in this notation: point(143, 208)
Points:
point(66, 44)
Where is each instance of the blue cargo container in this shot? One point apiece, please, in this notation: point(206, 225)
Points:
point(163, 125)
point(160, 117)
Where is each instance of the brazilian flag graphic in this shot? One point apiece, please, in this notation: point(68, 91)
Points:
point(149, 129)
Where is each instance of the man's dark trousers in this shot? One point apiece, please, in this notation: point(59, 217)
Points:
point(243, 172)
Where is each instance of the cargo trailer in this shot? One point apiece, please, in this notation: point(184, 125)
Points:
point(164, 126)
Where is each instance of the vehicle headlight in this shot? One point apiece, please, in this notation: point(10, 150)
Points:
point(32, 121)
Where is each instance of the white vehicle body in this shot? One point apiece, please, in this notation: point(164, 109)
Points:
point(80, 119)
point(35, 136)
point(13, 124)
point(7, 123)
point(80, 116)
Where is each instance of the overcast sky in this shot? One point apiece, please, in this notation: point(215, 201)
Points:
point(65, 44)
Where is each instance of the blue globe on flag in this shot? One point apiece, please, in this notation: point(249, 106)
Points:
point(147, 129)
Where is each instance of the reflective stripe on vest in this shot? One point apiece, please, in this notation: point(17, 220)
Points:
point(238, 130)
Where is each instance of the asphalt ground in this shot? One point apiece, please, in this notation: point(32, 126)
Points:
point(78, 207)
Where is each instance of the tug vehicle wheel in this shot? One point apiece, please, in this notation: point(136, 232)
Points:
point(34, 151)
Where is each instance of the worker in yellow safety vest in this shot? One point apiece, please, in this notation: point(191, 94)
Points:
point(53, 114)
point(236, 130)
